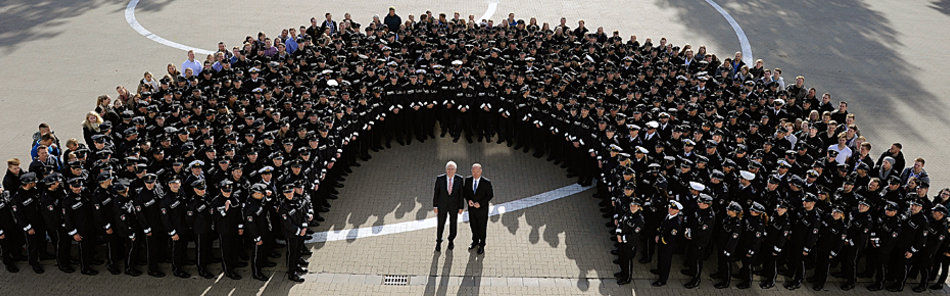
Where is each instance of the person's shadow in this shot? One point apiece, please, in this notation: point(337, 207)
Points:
point(473, 275)
point(441, 288)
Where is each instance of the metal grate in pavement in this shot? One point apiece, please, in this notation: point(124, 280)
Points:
point(395, 280)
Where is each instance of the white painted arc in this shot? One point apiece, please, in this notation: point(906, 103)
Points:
point(743, 40)
point(492, 6)
point(380, 230)
point(130, 18)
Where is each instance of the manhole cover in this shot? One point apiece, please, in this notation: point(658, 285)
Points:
point(395, 280)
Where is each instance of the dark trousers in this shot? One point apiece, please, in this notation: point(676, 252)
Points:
point(294, 242)
point(153, 248)
point(694, 259)
point(202, 251)
point(64, 244)
point(627, 252)
point(228, 245)
point(86, 248)
point(452, 216)
point(664, 260)
point(35, 244)
point(179, 254)
point(257, 259)
point(133, 252)
point(478, 218)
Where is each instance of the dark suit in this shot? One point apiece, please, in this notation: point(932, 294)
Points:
point(478, 217)
point(448, 203)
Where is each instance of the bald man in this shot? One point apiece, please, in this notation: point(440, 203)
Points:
point(478, 192)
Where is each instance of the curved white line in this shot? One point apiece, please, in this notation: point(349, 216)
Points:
point(511, 206)
point(743, 40)
point(492, 6)
point(130, 18)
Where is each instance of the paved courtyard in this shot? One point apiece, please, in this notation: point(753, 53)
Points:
point(886, 57)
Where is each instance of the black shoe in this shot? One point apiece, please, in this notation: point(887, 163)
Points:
point(692, 284)
point(113, 270)
point(295, 278)
point(937, 286)
point(133, 272)
point(319, 219)
point(233, 275)
point(622, 282)
point(616, 261)
point(847, 286)
point(11, 268)
point(38, 269)
point(644, 260)
point(615, 252)
point(451, 245)
point(896, 288)
point(259, 277)
point(766, 285)
point(875, 287)
point(438, 247)
point(181, 274)
point(155, 273)
point(818, 287)
point(205, 274)
point(721, 285)
point(90, 272)
point(655, 271)
point(920, 288)
point(743, 285)
point(481, 250)
point(686, 272)
point(793, 285)
point(67, 269)
point(658, 284)
point(241, 264)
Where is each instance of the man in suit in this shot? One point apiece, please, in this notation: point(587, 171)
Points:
point(447, 202)
point(478, 192)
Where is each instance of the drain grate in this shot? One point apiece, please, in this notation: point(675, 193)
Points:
point(395, 280)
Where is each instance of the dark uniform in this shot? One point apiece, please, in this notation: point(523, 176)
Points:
point(148, 212)
point(79, 224)
point(698, 234)
point(667, 237)
point(628, 232)
point(229, 225)
point(294, 223)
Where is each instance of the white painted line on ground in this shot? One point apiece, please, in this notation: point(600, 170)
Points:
point(511, 206)
point(130, 18)
point(492, 6)
point(743, 40)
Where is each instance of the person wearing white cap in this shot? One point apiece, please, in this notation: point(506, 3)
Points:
point(670, 229)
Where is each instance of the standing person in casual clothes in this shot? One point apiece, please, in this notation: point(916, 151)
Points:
point(392, 20)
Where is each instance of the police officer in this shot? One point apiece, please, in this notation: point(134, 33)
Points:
point(176, 216)
point(148, 213)
point(628, 231)
point(666, 239)
point(294, 226)
point(832, 237)
point(753, 234)
point(228, 223)
point(883, 241)
point(729, 233)
point(7, 228)
point(910, 243)
point(202, 221)
point(79, 223)
point(30, 220)
point(859, 233)
point(257, 225)
point(804, 237)
point(936, 242)
point(779, 227)
point(698, 234)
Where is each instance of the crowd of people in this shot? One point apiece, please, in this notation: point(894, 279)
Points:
point(691, 154)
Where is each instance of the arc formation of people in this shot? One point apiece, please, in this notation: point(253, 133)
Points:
point(691, 154)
